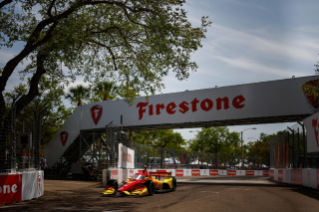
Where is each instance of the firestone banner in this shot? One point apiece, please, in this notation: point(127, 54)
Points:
point(126, 157)
point(10, 188)
point(229, 104)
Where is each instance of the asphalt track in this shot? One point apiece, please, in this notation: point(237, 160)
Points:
point(193, 194)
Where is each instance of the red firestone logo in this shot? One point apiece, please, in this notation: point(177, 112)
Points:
point(39, 184)
point(96, 113)
point(64, 137)
point(206, 105)
point(315, 129)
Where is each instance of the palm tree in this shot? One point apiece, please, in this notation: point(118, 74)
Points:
point(106, 90)
point(78, 93)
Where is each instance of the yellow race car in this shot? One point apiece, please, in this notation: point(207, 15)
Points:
point(145, 183)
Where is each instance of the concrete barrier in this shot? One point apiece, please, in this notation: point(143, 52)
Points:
point(303, 177)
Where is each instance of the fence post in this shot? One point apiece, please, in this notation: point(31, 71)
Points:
point(293, 148)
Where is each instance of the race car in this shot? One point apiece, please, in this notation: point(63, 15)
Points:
point(146, 183)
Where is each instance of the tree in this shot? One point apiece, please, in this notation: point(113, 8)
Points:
point(134, 41)
point(105, 90)
point(77, 94)
point(160, 138)
point(215, 140)
point(260, 148)
point(311, 89)
point(49, 104)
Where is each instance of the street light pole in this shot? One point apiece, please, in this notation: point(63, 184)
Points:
point(242, 143)
point(242, 155)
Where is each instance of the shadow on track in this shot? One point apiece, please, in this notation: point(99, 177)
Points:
point(309, 192)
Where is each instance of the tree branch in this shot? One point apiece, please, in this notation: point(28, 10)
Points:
point(109, 49)
point(32, 42)
point(110, 28)
point(50, 8)
point(4, 3)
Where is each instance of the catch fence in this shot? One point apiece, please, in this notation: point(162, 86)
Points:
point(157, 157)
point(289, 149)
point(20, 140)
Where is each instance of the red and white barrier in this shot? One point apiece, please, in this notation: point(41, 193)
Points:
point(213, 172)
point(123, 174)
point(21, 186)
point(302, 177)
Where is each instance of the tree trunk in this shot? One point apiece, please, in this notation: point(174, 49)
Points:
point(20, 104)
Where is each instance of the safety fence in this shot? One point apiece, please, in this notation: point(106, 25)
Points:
point(20, 139)
point(122, 174)
point(301, 177)
point(157, 157)
point(289, 149)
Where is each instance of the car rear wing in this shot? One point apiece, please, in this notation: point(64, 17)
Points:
point(160, 174)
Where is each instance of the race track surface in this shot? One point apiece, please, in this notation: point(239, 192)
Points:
point(193, 194)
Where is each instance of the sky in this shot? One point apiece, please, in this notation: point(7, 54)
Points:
point(252, 41)
point(249, 41)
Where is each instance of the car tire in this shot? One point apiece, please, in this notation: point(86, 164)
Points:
point(113, 183)
point(174, 183)
point(150, 187)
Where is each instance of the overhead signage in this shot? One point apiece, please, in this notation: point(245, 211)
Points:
point(275, 99)
point(264, 102)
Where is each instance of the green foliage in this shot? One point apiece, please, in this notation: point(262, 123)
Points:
point(260, 148)
point(48, 103)
point(160, 138)
point(135, 43)
point(311, 89)
point(216, 140)
point(105, 91)
point(77, 94)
